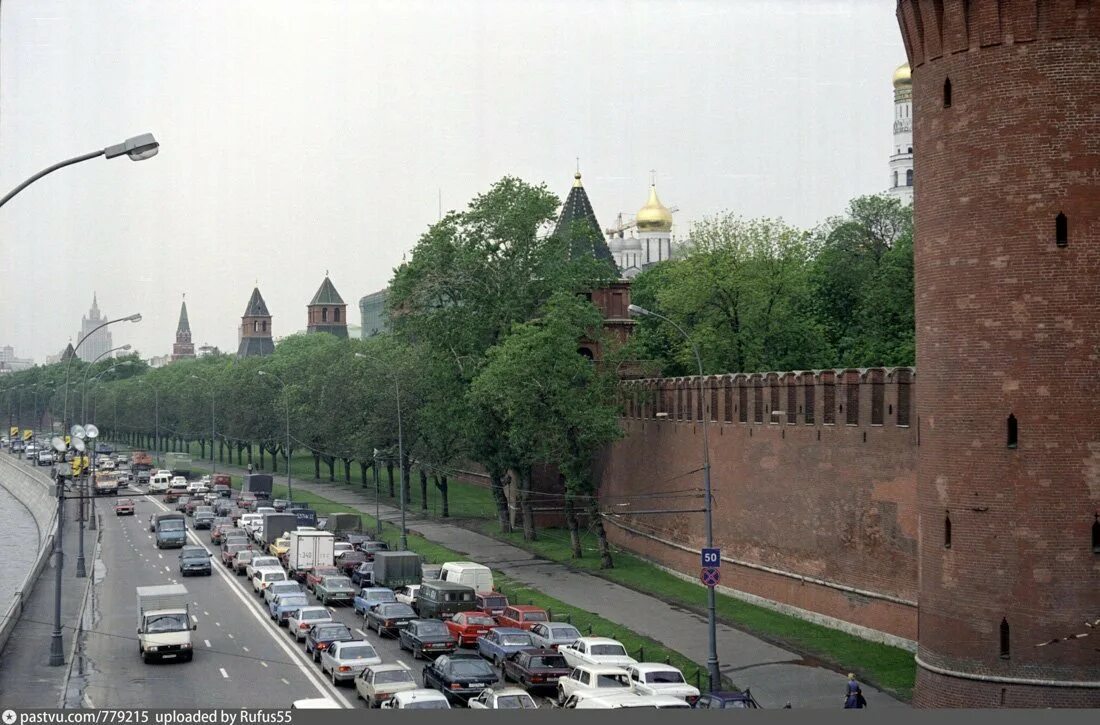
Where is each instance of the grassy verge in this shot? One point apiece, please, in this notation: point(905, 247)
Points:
point(889, 668)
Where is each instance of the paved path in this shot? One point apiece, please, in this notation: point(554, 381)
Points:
point(774, 675)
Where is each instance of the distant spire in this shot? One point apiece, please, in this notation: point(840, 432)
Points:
point(184, 325)
point(577, 222)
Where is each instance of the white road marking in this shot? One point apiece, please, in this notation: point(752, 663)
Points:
point(167, 569)
point(224, 673)
point(205, 614)
point(160, 556)
point(217, 624)
point(229, 635)
point(263, 663)
point(402, 664)
point(244, 648)
point(285, 682)
point(362, 633)
point(195, 619)
point(206, 642)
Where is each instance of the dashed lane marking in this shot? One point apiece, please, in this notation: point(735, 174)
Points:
point(244, 648)
point(227, 634)
point(362, 633)
point(224, 673)
point(206, 642)
point(263, 663)
point(285, 681)
point(194, 619)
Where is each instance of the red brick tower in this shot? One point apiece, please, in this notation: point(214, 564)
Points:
point(183, 347)
point(1007, 255)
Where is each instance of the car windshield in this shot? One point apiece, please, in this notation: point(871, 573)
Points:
point(381, 595)
point(325, 632)
point(266, 561)
point(472, 668)
point(664, 677)
point(390, 677)
point(167, 623)
point(199, 554)
point(244, 555)
point(534, 616)
point(432, 628)
point(357, 652)
point(608, 650)
point(564, 633)
point(427, 705)
point(557, 661)
point(338, 581)
point(515, 639)
point(483, 621)
point(315, 614)
point(516, 702)
point(274, 576)
point(612, 681)
point(171, 525)
point(495, 602)
point(280, 587)
point(293, 600)
point(396, 610)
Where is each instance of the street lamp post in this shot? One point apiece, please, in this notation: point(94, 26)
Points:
point(400, 452)
point(377, 495)
point(286, 399)
point(137, 148)
point(156, 416)
point(213, 456)
point(713, 672)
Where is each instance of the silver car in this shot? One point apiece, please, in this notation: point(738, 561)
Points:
point(299, 622)
point(551, 635)
point(344, 660)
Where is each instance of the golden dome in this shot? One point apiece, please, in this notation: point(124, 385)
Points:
point(653, 217)
point(902, 77)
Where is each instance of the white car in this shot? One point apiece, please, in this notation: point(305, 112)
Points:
point(105, 464)
point(593, 677)
point(264, 578)
point(340, 547)
point(551, 635)
point(654, 678)
point(594, 700)
point(196, 487)
point(262, 562)
point(596, 651)
point(378, 683)
point(344, 660)
point(418, 699)
point(180, 481)
point(505, 698)
point(407, 594)
point(316, 703)
point(299, 622)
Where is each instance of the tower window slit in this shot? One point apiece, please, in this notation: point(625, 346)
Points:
point(1006, 652)
point(1013, 431)
point(1061, 230)
point(947, 93)
point(947, 530)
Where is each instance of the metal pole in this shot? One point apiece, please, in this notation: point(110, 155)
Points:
point(156, 408)
point(91, 516)
point(289, 492)
point(55, 167)
point(377, 497)
point(401, 463)
point(213, 457)
point(57, 645)
point(81, 568)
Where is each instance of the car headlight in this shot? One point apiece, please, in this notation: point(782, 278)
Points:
point(185, 645)
point(153, 648)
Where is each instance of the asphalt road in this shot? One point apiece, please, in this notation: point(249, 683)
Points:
point(242, 658)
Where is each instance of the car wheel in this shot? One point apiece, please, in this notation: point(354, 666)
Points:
point(561, 697)
point(332, 674)
point(418, 652)
point(316, 656)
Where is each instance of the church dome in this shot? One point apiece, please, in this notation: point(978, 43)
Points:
point(632, 244)
point(902, 76)
point(654, 216)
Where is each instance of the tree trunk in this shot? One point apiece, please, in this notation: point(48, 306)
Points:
point(202, 448)
point(423, 490)
point(347, 470)
point(525, 505)
point(317, 466)
point(250, 453)
point(441, 484)
point(363, 473)
point(595, 521)
point(574, 528)
point(496, 484)
point(407, 466)
point(389, 472)
point(330, 461)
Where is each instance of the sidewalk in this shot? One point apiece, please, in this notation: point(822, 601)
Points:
point(774, 675)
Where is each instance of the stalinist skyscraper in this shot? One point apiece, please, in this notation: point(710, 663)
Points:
point(98, 343)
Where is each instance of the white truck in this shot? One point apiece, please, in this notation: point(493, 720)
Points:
point(309, 549)
point(165, 623)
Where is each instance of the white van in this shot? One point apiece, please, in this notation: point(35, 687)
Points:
point(160, 482)
point(478, 576)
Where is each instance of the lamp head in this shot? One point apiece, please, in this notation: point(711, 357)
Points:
point(125, 347)
point(137, 148)
point(136, 317)
point(636, 311)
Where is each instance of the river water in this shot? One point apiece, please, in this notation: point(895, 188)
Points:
point(18, 545)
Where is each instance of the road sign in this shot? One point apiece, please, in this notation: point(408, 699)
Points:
point(28, 434)
point(710, 576)
point(712, 558)
point(14, 431)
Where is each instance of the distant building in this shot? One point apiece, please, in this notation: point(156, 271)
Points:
point(327, 311)
point(208, 349)
point(901, 161)
point(159, 361)
point(255, 331)
point(183, 348)
point(577, 223)
point(97, 343)
point(10, 363)
point(372, 313)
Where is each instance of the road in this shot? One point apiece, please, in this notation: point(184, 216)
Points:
point(242, 659)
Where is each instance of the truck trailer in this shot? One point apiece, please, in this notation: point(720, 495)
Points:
point(309, 549)
point(396, 569)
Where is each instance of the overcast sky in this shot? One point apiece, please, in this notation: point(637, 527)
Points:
point(305, 136)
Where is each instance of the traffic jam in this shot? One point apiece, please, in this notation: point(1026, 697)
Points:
point(381, 625)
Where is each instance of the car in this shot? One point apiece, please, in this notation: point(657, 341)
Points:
point(522, 616)
point(334, 590)
point(124, 507)
point(596, 651)
point(279, 547)
point(281, 605)
point(419, 699)
point(45, 458)
point(597, 700)
point(503, 698)
point(389, 618)
point(180, 481)
point(280, 504)
point(552, 635)
point(228, 531)
point(320, 637)
point(195, 560)
point(259, 562)
point(492, 603)
point(264, 577)
point(466, 627)
point(369, 596)
point(592, 677)
point(299, 621)
point(727, 700)
point(378, 683)
point(370, 548)
point(315, 703)
point(241, 560)
point(318, 573)
point(654, 678)
point(340, 547)
point(407, 594)
point(363, 576)
point(349, 561)
point(181, 503)
point(203, 520)
point(217, 526)
point(192, 505)
point(458, 678)
point(104, 464)
point(426, 637)
point(498, 644)
point(344, 660)
point(535, 668)
point(283, 587)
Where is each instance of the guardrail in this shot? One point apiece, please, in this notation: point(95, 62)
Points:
point(19, 482)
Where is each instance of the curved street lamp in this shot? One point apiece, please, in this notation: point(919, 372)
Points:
point(84, 385)
point(137, 148)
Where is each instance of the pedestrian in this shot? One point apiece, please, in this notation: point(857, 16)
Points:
point(250, 468)
point(853, 699)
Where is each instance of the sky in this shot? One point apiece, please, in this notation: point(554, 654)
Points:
point(306, 137)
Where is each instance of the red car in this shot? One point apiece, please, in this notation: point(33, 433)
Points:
point(522, 616)
point(492, 603)
point(315, 575)
point(124, 507)
point(466, 627)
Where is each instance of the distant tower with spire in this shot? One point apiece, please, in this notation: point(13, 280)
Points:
point(327, 311)
point(183, 348)
point(577, 224)
point(255, 334)
point(98, 342)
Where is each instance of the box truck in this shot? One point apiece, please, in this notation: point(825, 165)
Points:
point(275, 525)
point(396, 569)
point(258, 484)
point(309, 549)
point(164, 623)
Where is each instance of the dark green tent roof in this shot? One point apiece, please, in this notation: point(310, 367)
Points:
point(327, 295)
point(256, 305)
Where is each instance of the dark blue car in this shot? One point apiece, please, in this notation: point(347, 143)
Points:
point(499, 644)
point(281, 605)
